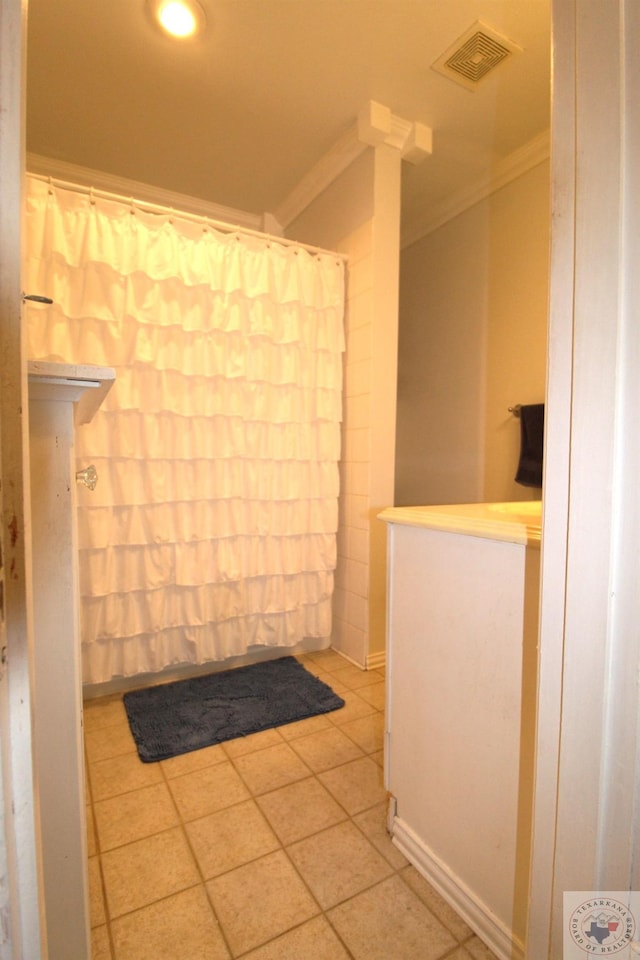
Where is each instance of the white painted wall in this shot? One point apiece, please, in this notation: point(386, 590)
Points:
point(473, 319)
point(359, 215)
point(518, 309)
point(441, 364)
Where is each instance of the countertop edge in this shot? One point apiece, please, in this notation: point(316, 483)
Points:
point(431, 518)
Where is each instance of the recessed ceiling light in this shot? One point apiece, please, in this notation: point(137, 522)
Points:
point(179, 18)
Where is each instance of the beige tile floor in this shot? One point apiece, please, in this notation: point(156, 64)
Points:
point(269, 847)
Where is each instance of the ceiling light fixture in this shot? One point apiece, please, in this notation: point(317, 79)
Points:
point(182, 19)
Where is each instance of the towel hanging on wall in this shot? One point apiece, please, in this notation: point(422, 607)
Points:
point(529, 472)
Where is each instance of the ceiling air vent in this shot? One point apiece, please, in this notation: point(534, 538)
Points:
point(474, 55)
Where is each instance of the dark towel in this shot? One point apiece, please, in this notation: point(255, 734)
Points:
point(529, 472)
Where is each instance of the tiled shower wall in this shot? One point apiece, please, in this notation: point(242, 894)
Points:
point(358, 215)
point(351, 598)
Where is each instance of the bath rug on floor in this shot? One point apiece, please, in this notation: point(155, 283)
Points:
point(175, 718)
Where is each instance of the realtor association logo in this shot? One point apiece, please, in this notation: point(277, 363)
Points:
point(602, 926)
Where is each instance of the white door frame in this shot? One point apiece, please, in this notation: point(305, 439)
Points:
point(587, 761)
point(20, 919)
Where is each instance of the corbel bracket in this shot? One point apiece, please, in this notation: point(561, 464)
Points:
point(376, 125)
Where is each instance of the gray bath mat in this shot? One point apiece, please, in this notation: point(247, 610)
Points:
point(175, 718)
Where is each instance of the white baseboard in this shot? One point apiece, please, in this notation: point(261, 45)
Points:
point(373, 661)
point(376, 660)
point(467, 905)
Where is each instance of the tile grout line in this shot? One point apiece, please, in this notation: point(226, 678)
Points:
point(253, 796)
point(350, 819)
point(98, 854)
point(203, 882)
point(395, 871)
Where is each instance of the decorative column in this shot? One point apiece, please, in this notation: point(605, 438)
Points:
point(60, 397)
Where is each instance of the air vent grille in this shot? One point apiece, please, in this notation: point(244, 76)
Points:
point(479, 55)
point(474, 55)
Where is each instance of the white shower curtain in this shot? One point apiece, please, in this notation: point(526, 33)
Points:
point(212, 527)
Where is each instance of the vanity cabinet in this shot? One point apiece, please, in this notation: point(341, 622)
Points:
point(463, 584)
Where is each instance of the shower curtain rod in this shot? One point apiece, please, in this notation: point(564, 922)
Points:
point(157, 208)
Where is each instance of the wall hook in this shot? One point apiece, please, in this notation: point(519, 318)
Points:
point(36, 298)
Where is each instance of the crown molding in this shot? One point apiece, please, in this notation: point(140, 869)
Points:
point(334, 162)
point(522, 160)
point(143, 192)
point(375, 125)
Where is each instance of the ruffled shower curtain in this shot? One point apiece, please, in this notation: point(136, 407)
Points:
point(212, 527)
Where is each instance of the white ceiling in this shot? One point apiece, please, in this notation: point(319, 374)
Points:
point(240, 115)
